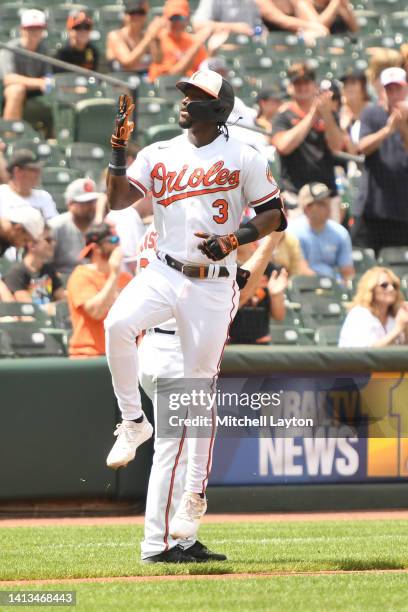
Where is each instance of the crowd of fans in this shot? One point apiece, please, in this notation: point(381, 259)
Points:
point(305, 126)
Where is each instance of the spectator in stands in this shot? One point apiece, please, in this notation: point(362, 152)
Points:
point(325, 243)
point(379, 313)
point(337, 15)
point(262, 299)
point(288, 254)
point(34, 279)
point(182, 52)
point(355, 99)
point(292, 15)
point(18, 225)
point(269, 100)
point(92, 289)
point(381, 59)
point(381, 211)
point(79, 50)
point(24, 170)
point(24, 77)
point(69, 228)
point(131, 48)
point(239, 16)
point(306, 134)
point(4, 176)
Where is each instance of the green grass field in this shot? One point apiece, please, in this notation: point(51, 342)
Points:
point(108, 551)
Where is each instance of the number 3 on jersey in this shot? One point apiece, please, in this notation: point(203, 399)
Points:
point(222, 206)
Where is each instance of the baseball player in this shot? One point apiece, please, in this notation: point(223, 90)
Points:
point(200, 183)
point(161, 356)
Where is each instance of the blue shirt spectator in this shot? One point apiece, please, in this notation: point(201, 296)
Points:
point(326, 244)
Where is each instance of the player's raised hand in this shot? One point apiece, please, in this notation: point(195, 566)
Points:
point(123, 126)
point(217, 247)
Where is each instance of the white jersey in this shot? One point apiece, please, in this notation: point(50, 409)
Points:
point(200, 189)
point(39, 199)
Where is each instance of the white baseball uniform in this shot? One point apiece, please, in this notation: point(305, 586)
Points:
point(194, 189)
point(161, 356)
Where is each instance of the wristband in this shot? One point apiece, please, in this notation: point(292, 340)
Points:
point(117, 170)
point(247, 233)
point(117, 165)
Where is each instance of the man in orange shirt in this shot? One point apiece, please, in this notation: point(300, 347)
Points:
point(182, 52)
point(92, 289)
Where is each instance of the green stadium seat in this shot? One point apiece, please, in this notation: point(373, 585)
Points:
point(328, 335)
point(24, 309)
point(56, 180)
point(93, 120)
point(369, 22)
point(90, 158)
point(62, 316)
point(13, 130)
point(161, 132)
point(320, 310)
point(58, 14)
point(289, 336)
point(397, 23)
point(363, 259)
point(302, 287)
point(152, 112)
point(6, 349)
point(110, 17)
point(10, 15)
point(393, 256)
point(29, 340)
point(50, 154)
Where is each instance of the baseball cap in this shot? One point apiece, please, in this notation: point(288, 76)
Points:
point(81, 190)
point(94, 235)
point(27, 216)
point(301, 70)
point(33, 18)
point(24, 158)
point(393, 75)
point(353, 73)
point(176, 7)
point(312, 192)
point(273, 92)
point(134, 5)
point(77, 18)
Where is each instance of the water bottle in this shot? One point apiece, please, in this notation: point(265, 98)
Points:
point(49, 83)
point(257, 33)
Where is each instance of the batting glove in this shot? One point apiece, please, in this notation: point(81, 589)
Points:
point(123, 127)
point(217, 247)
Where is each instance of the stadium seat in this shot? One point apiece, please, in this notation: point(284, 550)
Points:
point(110, 17)
point(88, 157)
point(10, 15)
point(289, 336)
point(320, 310)
point(12, 130)
point(363, 259)
point(152, 112)
point(56, 180)
point(161, 132)
point(57, 15)
point(50, 154)
point(327, 335)
point(166, 88)
point(29, 340)
point(93, 120)
point(393, 256)
point(301, 287)
point(62, 316)
point(369, 22)
point(24, 309)
point(6, 349)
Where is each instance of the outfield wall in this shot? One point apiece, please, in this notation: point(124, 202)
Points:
point(58, 416)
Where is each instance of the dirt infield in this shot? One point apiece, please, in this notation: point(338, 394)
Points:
point(195, 577)
point(368, 515)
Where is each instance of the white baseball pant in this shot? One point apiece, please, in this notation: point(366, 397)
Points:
point(203, 310)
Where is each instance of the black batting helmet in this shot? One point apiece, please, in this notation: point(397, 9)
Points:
point(217, 110)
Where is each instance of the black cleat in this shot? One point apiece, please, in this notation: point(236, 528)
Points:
point(201, 553)
point(173, 555)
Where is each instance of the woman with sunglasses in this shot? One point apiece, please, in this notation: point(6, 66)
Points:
point(379, 313)
point(130, 48)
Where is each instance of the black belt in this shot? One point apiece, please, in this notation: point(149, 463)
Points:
point(158, 330)
point(195, 271)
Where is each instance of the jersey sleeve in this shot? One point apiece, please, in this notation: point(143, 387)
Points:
point(139, 172)
point(259, 184)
